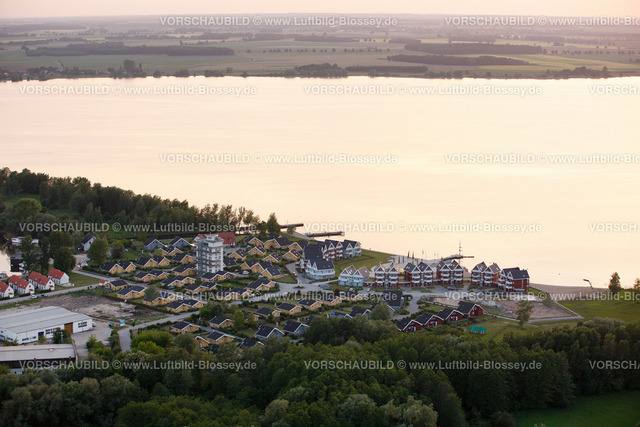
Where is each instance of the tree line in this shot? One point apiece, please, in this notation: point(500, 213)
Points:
point(286, 384)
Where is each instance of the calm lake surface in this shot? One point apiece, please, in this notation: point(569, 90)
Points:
point(464, 162)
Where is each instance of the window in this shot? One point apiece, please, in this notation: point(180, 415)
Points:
point(82, 324)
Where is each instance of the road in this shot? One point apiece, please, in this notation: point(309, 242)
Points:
point(48, 294)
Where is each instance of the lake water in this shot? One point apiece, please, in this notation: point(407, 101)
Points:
point(464, 162)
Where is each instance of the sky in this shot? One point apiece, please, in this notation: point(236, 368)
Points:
point(48, 8)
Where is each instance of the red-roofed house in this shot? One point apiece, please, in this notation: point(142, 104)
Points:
point(228, 238)
point(58, 277)
point(6, 291)
point(20, 285)
point(41, 282)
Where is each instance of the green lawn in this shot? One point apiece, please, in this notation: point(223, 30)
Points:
point(616, 409)
point(624, 308)
point(368, 259)
point(82, 280)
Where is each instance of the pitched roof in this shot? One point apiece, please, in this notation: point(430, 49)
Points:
point(107, 266)
point(248, 343)
point(56, 274)
point(307, 302)
point(265, 331)
point(39, 278)
point(285, 306)
point(265, 311)
point(424, 318)
point(182, 325)
point(465, 307)
point(357, 310)
point(292, 326)
point(218, 320)
point(402, 323)
point(87, 238)
point(393, 298)
point(132, 289)
point(118, 282)
point(4, 287)
point(19, 282)
point(215, 336)
point(516, 273)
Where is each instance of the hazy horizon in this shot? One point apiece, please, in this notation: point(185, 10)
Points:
point(68, 8)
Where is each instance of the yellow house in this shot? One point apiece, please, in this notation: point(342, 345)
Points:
point(257, 268)
point(161, 261)
point(292, 255)
point(169, 251)
point(257, 251)
point(253, 240)
point(144, 262)
point(131, 293)
point(238, 255)
point(183, 327)
point(285, 307)
point(185, 270)
point(247, 265)
point(111, 268)
point(162, 299)
point(220, 322)
point(127, 266)
point(272, 273)
point(295, 246)
point(116, 285)
point(273, 258)
point(330, 300)
point(310, 304)
point(218, 338)
point(202, 342)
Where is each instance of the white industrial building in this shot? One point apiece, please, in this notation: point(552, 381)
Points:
point(35, 357)
point(30, 325)
point(209, 254)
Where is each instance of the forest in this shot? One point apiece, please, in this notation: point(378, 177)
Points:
point(76, 200)
point(284, 389)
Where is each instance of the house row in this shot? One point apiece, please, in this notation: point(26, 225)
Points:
point(182, 305)
point(41, 282)
point(329, 250)
point(153, 262)
point(150, 276)
point(509, 279)
point(119, 267)
point(464, 310)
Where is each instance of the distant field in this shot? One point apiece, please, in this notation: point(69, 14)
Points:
point(624, 310)
point(274, 56)
point(616, 409)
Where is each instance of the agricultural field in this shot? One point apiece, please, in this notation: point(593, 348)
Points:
point(274, 50)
